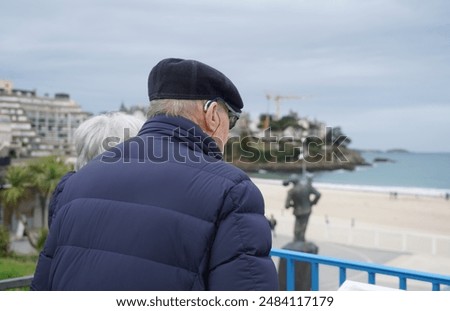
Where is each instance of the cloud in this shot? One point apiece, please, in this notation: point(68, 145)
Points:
point(416, 128)
point(348, 57)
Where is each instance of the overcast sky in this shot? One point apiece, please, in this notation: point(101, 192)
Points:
point(380, 69)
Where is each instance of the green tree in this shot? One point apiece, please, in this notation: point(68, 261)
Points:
point(45, 175)
point(18, 190)
point(335, 137)
point(4, 241)
point(37, 177)
point(278, 125)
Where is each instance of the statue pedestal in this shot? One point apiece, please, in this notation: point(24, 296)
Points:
point(302, 269)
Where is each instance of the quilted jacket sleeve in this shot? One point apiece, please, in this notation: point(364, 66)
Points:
point(42, 273)
point(240, 253)
point(53, 205)
point(41, 279)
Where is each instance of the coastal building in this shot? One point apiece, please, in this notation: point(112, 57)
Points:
point(5, 136)
point(292, 126)
point(306, 128)
point(33, 125)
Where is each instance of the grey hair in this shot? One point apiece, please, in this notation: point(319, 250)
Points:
point(108, 129)
point(174, 107)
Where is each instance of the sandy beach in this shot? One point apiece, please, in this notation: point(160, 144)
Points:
point(409, 232)
point(368, 218)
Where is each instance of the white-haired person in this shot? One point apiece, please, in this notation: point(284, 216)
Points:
point(102, 132)
point(92, 137)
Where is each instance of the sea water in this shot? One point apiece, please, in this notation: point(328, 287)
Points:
point(403, 172)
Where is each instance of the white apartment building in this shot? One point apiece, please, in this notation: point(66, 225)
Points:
point(5, 135)
point(38, 125)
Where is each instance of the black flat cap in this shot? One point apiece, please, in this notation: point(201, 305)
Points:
point(175, 78)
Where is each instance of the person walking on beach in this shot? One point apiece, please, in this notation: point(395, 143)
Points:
point(163, 211)
point(299, 198)
point(272, 223)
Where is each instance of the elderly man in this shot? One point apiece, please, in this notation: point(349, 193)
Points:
point(163, 211)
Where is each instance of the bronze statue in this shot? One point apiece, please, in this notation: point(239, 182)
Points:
point(301, 197)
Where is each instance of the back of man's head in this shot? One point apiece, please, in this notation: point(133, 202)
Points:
point(181, 79)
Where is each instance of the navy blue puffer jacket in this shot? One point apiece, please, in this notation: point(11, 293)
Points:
point(161, 211)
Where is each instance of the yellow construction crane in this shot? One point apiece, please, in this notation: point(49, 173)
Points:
point(278, 98)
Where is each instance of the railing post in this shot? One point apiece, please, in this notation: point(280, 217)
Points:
point(402, 284)
point(342, 275)
point(436, 287)
point(314, 276)
point(371, 279)
point(290, 273)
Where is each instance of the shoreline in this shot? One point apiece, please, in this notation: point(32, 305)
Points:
point(377, 210)
point(411, 191)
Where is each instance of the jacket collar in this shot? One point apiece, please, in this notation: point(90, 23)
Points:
point(180, 129)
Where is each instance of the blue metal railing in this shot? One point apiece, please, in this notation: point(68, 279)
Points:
point(372, 270)
point(291, 257)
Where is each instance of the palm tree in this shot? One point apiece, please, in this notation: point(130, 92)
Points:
point(18, 190)
point(23, 183)
point(38, 177)
point(46, 173)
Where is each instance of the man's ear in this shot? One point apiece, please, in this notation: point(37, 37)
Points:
point(212, 118)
